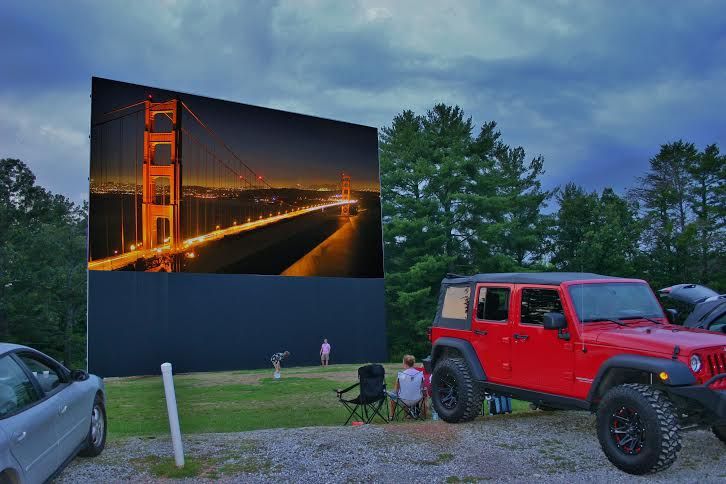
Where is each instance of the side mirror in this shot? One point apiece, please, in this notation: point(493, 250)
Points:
point(79, 375)
point(671, 315)
point(554, 321)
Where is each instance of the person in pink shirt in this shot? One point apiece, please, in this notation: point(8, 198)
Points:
point(325, 353)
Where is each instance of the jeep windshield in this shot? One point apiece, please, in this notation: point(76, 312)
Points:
point(614, 301)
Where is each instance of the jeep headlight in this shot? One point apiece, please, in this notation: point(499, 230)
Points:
point(695, 363)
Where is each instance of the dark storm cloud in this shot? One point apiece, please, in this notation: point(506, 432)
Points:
point(595, 87)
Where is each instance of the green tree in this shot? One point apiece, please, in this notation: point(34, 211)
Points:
point(594, 233)
point(42, 266)
point(707, 200)
point(682, 198)
point(452, 202)
point(575, 221)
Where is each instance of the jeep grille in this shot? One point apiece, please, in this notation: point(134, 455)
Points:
point(715, 362)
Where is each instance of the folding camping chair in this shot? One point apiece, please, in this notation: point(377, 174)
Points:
point(372, 397)
point(415, 411)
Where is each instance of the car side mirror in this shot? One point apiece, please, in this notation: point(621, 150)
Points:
point(79, 375)
point(671, 315)
point(554, 321)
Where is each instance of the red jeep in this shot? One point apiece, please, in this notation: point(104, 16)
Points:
point(579, 341)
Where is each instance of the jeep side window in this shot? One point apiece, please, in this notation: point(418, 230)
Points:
point(493, 304)
point(456, 302)
point(537, 302)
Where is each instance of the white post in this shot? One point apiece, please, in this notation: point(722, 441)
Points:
point(173, 414)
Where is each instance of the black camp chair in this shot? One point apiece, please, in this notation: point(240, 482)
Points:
point(372, 397)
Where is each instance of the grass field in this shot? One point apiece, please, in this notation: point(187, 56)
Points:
point(235, 401)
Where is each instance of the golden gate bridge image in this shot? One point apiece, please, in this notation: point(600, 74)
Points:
point(166, 187)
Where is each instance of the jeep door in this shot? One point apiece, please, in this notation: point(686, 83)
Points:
point(491, 330)
point(542, 359)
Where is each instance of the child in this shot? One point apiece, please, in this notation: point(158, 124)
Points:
point(276, 359)
point(325, 353)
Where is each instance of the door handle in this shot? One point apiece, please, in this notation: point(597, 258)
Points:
point(481, 332)
point(520, 336)
point(21, 436)
point(62, 410)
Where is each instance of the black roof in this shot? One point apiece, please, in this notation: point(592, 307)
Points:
point(548, 278)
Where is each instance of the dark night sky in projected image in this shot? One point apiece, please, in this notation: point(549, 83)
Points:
point(287, 149)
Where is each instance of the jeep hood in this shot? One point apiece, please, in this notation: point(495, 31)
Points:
point(660, 339)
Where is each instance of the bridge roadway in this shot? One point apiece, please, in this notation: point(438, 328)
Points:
point(320, 244)
point(128, 258)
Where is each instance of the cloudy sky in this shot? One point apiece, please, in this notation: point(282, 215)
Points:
point(595, 87)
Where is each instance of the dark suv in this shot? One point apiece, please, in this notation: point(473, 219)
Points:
point(579, 341)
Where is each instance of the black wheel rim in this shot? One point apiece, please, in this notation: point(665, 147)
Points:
point(447, 391)
point(627, 431)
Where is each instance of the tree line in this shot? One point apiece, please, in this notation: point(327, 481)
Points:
point(456, 200)
point(42, 266)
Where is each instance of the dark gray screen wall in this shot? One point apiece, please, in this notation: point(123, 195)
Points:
point(213, 322)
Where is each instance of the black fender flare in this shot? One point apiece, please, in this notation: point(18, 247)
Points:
point(678, 373)
point(467, 351)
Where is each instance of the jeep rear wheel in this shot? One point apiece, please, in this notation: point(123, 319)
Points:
point(720, 432)
point(638, 429)
point(455, 394)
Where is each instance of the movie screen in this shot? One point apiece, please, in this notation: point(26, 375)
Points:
point(184, 183)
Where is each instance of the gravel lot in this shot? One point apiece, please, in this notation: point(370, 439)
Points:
point(544, 447)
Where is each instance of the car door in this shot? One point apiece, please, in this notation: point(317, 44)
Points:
point(492, 338)
point(542, 359)
point(73, 405)
point(29, 421)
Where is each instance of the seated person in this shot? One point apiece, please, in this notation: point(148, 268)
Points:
point(409, 387)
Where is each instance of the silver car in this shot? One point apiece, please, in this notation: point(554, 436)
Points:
point(48, 415)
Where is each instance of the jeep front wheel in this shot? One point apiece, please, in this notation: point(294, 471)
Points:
point(455, 394)
point(720, 432)
point(638, 429)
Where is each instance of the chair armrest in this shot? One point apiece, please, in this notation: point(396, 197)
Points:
point(339, 392)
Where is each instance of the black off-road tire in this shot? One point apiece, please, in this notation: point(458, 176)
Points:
point(463, 403)
point(720, 432)
point(96, 438)
point(654, 414)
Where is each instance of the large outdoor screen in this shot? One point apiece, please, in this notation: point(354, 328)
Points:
point(184, 183)
point(200, 212)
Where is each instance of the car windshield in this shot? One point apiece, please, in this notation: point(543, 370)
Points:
point(608, 301)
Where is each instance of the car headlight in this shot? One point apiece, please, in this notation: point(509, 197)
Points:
point(695, 363)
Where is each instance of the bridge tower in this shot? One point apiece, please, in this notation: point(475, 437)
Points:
point(160, 213)
point(345, 194)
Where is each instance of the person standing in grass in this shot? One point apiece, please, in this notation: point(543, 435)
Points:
point(276, 361)
point(325, 353)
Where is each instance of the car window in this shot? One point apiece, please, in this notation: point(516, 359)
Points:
point(49, 377)
point(537, 302)
point(493, 304)
point(718, 324)
point(16, 389)
point(456, 302)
